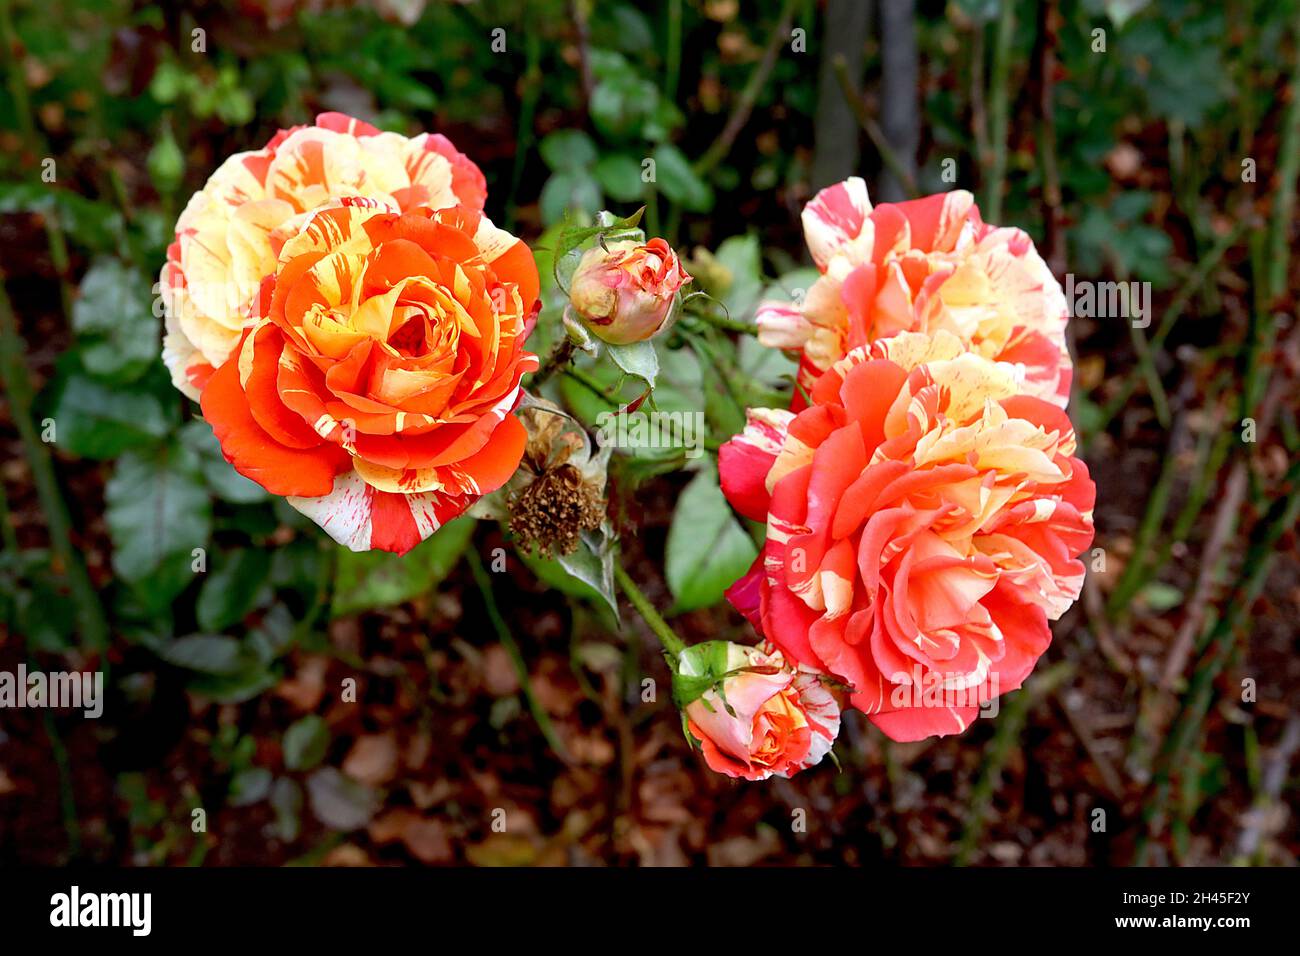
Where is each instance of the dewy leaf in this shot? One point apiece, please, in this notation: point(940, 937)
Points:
point(114, 321)
point(638, 358)
point(593, 563)
point(372, 579)
point(305, 742)
point(708, 550)
point(158, 511)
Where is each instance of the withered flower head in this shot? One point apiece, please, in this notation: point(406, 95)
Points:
point(559, 490)
point(549, 513)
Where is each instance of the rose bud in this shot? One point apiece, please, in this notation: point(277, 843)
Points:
point(751, 713)
point(624, 291)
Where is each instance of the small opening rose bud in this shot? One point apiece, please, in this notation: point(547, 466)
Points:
point(624, 291)
point(752, 713)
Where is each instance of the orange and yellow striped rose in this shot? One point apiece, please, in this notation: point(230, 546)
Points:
point(376, 385)
point(232, 230)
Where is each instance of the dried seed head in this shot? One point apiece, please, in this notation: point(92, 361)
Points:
point(550, 513)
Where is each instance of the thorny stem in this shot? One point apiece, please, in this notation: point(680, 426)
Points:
point(560, 356)
point(673, 644)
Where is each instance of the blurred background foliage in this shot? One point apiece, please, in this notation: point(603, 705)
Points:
point(1133, 140)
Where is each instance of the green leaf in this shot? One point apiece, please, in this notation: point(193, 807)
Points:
point(764, 371)
point(743, 259)
point(566, 150)
point(273, 637)
point(1160, 597)
point(252, 681)
point(708, 550)
point(620, 176)
point(623, 103)
point(593, 564)
point(220, 475)
point(158, 511)
point(166, 163)
point(552, 574)
point(206, 653)
point(94, 420)
point(97, 225)
point(372, 579)
point(286, 799)
point(114, 321)
point(678, 180)
point(250, 786)
point(305, 742)
point(232, 589)
point(575, 190)
point(638, 358)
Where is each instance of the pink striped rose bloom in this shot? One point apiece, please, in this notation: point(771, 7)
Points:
point(921, 266)
point(924, 517)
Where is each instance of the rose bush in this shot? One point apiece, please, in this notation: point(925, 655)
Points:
point(923, 521)
point(232, 230)
point(922, 266)
point(375, 388)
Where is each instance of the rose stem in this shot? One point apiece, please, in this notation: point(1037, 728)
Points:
point(13, 373)
point(516, 658)
point(560, 356)
point(673, 644)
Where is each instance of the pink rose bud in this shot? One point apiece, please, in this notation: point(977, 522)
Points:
point(752, 713)
point(624, 291)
